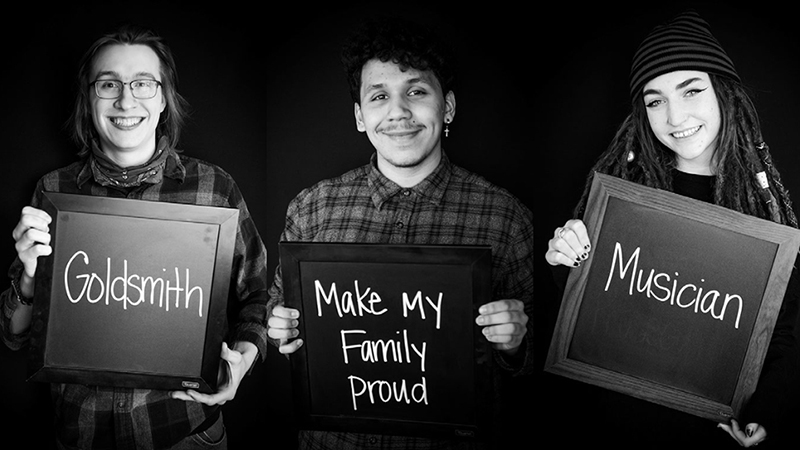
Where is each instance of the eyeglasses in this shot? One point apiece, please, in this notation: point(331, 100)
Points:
point(141, 89)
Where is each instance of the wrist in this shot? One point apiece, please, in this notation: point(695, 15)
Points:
point(24, 296)
point(248, 350)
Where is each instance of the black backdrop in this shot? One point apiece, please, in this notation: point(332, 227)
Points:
point(540, 95)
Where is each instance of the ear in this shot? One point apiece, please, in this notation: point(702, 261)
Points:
point(359, 118)
point(450, 106)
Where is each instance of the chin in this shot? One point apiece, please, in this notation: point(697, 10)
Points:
point(406, 160)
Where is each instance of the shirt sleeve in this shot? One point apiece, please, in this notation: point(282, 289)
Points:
point(10, 303)
point(249, 280)
point(291, 232)
point(517, 283)
point(8, 298)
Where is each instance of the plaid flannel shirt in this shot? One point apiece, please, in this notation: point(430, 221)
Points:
point(97, 417)
point(451, 206)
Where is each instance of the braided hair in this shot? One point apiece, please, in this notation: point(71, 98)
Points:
point(746, 178)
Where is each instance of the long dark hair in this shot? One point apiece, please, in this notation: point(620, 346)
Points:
point(176, 112)
point(741, 158)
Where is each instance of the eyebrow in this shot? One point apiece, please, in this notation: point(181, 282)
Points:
point(679, 86)
point(111, 73)
point(410, 81)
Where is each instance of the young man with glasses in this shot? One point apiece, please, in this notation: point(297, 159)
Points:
point(127, 122)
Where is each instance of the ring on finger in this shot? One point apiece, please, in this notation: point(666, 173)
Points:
point(560, 233)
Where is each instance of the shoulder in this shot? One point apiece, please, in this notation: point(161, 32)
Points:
point(199, 167)
point(207, 176)
point(478, 189)
point(53, 180)
point(345, 184)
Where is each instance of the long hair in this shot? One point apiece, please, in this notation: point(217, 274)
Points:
point(175, 114)
point(746, 179)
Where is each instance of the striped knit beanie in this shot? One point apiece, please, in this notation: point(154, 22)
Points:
point(684, 43)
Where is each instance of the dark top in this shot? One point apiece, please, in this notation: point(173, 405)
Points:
point(586, 414)
point(777, 390)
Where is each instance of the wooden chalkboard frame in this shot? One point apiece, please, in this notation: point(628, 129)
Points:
point(226, 221)
point(787, 240)
point(478, 261)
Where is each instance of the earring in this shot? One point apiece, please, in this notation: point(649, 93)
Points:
point(446, 127)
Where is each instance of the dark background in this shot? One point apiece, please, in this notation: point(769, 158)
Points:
point(541, 93)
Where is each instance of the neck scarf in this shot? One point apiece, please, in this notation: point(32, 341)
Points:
point(107, 171)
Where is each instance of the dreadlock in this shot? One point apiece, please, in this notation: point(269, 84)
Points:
point(746, 178)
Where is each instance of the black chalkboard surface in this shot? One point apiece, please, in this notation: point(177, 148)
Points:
point(678, 301)
point(133, 295)
point(391, 344)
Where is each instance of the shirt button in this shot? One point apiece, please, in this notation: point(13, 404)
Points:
point(373, 440)
point(399, 225)
point(406, 192)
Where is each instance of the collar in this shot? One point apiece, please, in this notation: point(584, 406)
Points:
point(165, 163)
point(432, 188)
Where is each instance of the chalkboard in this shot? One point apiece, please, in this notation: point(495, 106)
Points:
point(391, 344)
point(678, 301)
point(134, 294)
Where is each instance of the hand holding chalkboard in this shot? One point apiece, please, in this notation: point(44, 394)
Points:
point(667, 273)
point(234, 364)
point(32, 240)
point(752, 435)
point(32, 237)
point(570, 245)
point(393, 344)
point(504, 323)
point(282, 325)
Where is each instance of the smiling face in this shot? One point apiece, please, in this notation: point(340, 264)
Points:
point(402, 113)
point(126, 126)
point(684, 114)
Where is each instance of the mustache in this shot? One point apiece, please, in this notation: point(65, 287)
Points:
point(401, 128)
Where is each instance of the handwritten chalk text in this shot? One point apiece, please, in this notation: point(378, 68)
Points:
point(665, 288)
point(128, 289)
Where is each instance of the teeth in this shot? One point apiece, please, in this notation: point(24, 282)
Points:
point(126, 121)
point(686, 133)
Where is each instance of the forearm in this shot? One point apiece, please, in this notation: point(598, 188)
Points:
point(21, 319)
point(15, 320)
point(250, 328)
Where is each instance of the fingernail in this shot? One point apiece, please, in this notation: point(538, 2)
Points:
point(588, 247)
point(576, 264)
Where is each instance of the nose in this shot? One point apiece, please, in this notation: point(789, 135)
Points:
point(398, 108)
point(676, 114)
point(126, 100)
